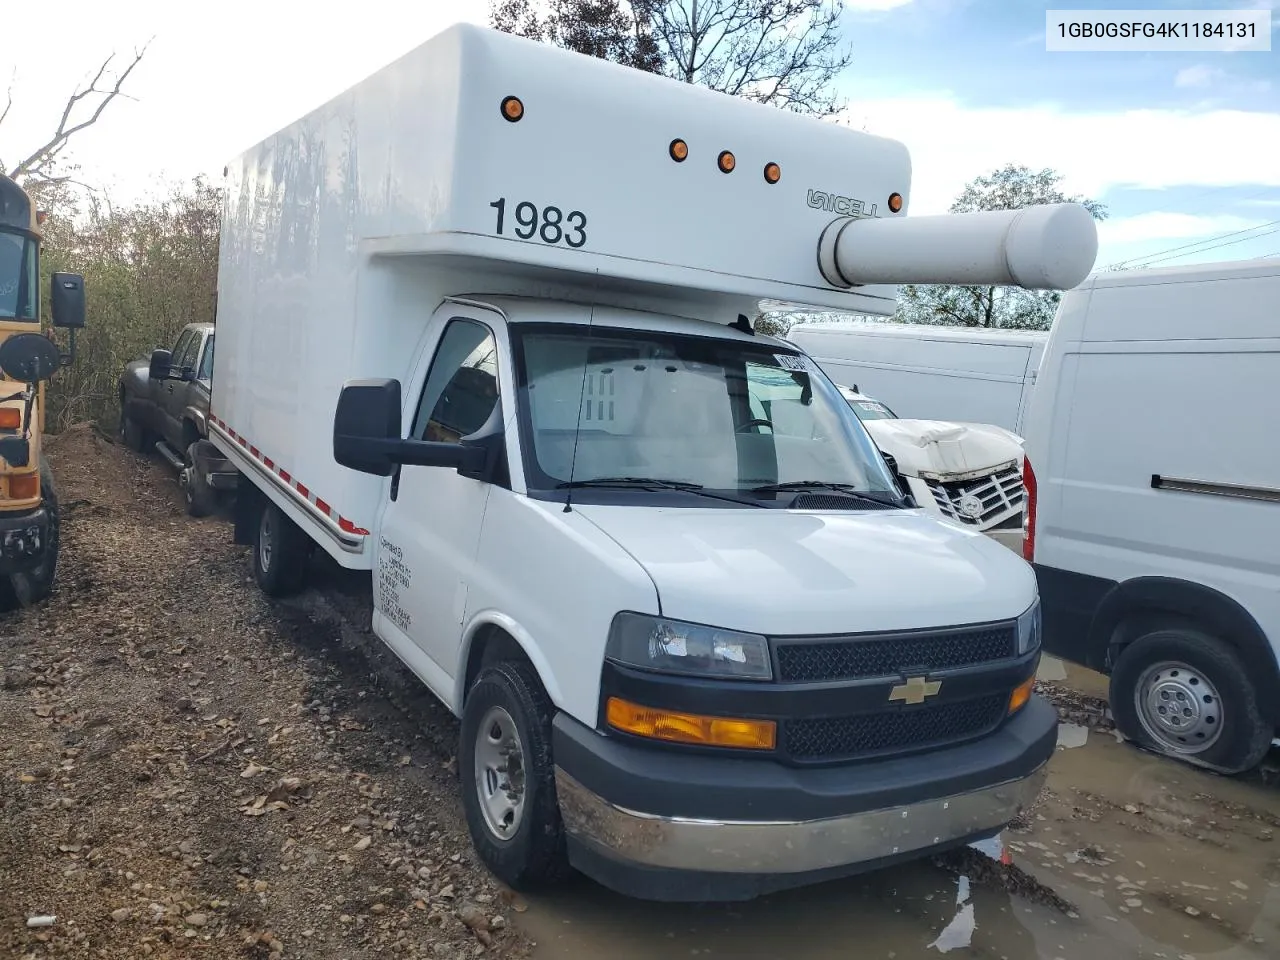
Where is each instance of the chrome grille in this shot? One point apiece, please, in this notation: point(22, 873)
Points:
point(983, 502)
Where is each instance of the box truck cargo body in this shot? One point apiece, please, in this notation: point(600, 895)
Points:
point(931, 372)
point(483, 332)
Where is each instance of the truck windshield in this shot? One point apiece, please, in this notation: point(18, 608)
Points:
point(19, 280)
point(725, 415)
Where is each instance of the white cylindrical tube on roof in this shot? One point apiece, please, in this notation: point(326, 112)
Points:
point(1047, 247)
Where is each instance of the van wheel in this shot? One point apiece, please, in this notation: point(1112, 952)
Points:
point(508, 778)
point(280, 553)
point(202, 499)
point(1187, 695)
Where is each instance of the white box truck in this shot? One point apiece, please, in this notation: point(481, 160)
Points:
point(482, 332)
point(930, 372)
point(1153, 491)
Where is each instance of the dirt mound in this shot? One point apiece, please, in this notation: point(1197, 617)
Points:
point(186, 769)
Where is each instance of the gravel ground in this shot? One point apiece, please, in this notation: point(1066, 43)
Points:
point(189, 770)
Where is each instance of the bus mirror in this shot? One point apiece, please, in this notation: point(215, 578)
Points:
point(66, 297)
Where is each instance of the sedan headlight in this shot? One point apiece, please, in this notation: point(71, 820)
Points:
point(671, 646)
point(1029, 629)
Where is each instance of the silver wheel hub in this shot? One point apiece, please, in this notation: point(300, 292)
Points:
point(266, 540)
point(1179, 707)
point(500, 773)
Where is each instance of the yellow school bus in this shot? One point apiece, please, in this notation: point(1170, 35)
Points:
point(28, 358)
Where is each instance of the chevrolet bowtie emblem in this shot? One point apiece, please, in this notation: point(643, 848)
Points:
point(915, 690)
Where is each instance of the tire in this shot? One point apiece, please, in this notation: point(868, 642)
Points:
point(1185, 694)
point(201, 499)
point(280, 553)
point(132, 434)
point(508, 698)
point(34, 586)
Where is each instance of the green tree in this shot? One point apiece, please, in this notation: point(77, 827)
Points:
point(149, 269)
point(786, 53)
point(1008, 188)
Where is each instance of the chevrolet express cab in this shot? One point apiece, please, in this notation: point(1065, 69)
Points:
point(484, 332)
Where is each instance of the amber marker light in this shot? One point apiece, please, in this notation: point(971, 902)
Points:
point(772, 173)
point(1021, 695)
point(679, 150)
point(726, 162)
point(10, 418)
point(895, 202)
point(24, 486)
point(690, 727)
point(512, 109)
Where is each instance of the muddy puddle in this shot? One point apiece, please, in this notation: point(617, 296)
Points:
point(1125, 856)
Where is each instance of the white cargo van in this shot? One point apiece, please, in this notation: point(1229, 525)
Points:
point(1153, 483)
point(930, 372)
point(483, 332)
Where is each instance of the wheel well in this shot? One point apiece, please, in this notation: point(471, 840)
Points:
point(1139, 607)
point(190, 434)
point(491, 645)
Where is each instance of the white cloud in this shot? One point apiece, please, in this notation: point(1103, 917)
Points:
point(1162, 225)
point(1095, 151)
point(1197, 76)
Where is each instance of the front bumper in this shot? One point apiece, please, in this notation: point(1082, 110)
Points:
point(663, 826)
point(24, 538)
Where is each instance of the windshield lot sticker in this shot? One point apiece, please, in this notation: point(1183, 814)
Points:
point(792, 361)
point(394, 576)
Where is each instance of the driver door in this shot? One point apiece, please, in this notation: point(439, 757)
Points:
point(430, 528)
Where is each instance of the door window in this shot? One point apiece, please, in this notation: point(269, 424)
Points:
point(181, 347)
point(206, 362)
point(461, 391)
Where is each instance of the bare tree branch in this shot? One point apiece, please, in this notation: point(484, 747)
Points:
point(44, 155)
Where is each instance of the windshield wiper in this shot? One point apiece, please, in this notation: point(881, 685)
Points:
point(654, 483)
point(848, 489)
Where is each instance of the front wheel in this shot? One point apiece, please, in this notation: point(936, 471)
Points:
point(280, 553)
point(132, 434)
point(34, 586)
point(1187, 695)
point(508, 778)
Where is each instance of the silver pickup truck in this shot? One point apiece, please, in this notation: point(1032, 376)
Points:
point(164, 406)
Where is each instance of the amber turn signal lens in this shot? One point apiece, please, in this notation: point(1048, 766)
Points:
point(24, 486)
point(895, 202)
point(772, 172)
point(689, 727)
point(10, 418)
point(512, 109)
point(679, 151)
point(1021, 695)
point(726, 161)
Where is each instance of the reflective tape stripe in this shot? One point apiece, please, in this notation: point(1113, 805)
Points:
point(345, 525)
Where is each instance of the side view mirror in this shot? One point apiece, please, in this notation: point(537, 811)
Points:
point(161, 364)
point(366, 434)
point(66, 298)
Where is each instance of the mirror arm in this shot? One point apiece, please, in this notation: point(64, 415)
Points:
point(67, 359)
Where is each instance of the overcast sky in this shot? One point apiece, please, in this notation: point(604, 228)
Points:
point(1180, 146)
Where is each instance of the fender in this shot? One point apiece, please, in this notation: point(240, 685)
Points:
point(1215, 611)
point(493, 618)
point(199, 418)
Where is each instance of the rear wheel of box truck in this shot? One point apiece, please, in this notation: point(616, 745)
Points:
point(1181, 692)
point(508, 777)
point(280, 552)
